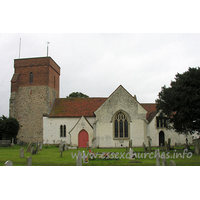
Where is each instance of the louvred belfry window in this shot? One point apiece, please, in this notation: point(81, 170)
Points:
point(121, 126)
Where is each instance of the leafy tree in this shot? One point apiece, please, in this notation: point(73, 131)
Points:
point(77, 94)
point(9, 127)
point(181, 102)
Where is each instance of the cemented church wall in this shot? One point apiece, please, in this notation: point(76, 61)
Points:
point(153, 132)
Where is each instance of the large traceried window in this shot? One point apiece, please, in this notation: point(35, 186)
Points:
point(121, 126)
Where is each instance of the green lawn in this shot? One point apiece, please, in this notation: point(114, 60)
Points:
point(51, 157)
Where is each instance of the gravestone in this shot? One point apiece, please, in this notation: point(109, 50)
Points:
point(22, 153)
point(12, 144)
point(164, 161)
point(29, 147)
point(33, 151)
point(130, 153)
point(83, 156)
point(149, 145)
point(162, 146)
point(169, 144)
point(166, 147)
point(8, 163)
point(145, 148)
point(196, 146)
point(172, 163)
point(87, 145)
point(79, 163)
point(29, 161)
point(66, 147)
point(41, 145)
point(157, 154)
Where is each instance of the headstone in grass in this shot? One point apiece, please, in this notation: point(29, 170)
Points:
point(33, 151)
point(8, 163)
point(41, 145)
point(157, 155)
point(196, 146)
point(149, 145)
point(21, 153)
point(29, 147)
point(87, 145)
point(144, 146)
point(131, 154)
point(172, 163)
point(166, 146)
point(169, 144)
point(130, 143)
point(12, 144)
point(29, 161)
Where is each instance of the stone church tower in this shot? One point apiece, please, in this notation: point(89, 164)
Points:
point(34, 86)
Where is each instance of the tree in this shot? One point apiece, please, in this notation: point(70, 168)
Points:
point(77, 94)
point(181, 102)
point(9, 127)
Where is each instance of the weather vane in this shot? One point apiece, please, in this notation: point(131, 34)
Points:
point(47, 48)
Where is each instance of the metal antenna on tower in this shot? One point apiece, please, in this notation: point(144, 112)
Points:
point(47, 48)
point(19, 47)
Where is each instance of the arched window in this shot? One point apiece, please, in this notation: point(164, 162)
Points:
point(62, 130)
point(31, 77)
point(121, 126)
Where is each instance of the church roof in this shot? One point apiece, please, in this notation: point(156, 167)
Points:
point(77, 107)
point(151, 108)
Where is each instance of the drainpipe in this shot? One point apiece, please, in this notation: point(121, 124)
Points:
point(70, 138)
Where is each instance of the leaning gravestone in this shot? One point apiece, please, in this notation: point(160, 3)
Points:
point(22, 153)
point(29, 161)
point(41, 144)
point(157, 154)
point(172, 163)
point(29, 147)
point(8, 163)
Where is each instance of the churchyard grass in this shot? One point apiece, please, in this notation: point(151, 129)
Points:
point(51, 157)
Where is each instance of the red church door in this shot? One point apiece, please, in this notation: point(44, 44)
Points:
point(83, 139)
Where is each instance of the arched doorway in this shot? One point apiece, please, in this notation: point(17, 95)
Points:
point(83, 138)
point(161, 138)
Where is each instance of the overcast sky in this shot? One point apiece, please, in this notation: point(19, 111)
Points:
point(96, 64)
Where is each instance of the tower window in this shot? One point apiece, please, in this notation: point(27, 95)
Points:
point(31, 77)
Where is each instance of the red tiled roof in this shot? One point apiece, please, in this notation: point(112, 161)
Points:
point(151, 108)
point(76, 107)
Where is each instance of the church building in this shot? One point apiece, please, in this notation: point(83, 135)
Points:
point(98, 122)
